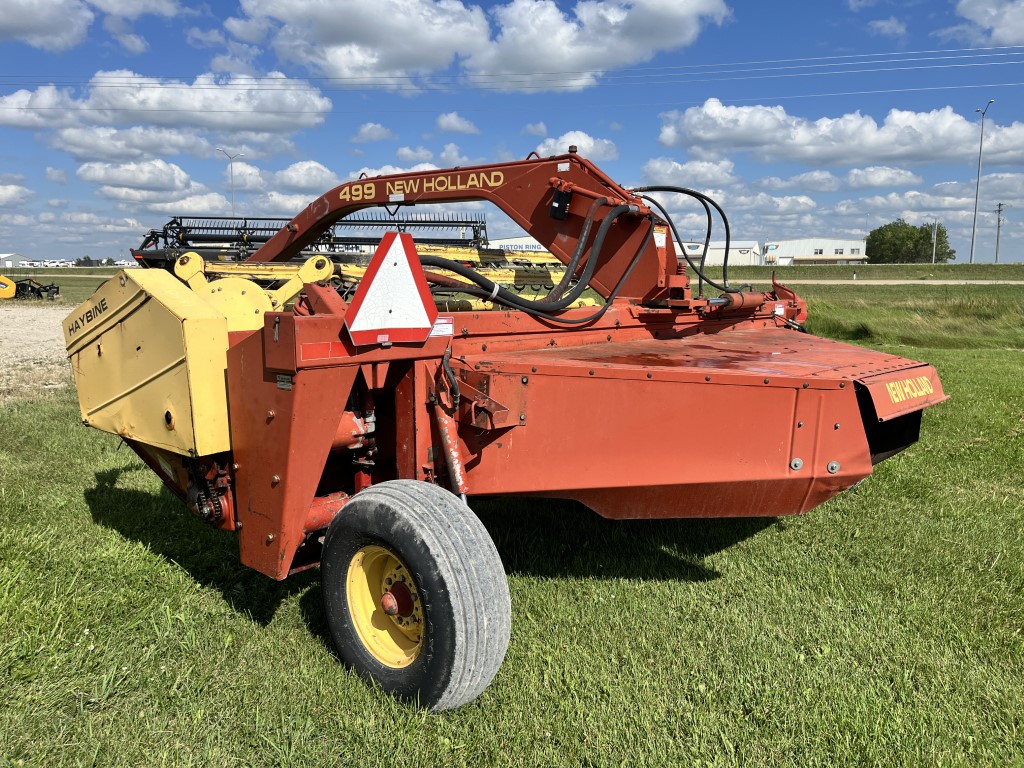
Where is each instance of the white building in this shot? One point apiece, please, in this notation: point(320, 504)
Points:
point(742, 253)
point(815, 250)
point(10, 260)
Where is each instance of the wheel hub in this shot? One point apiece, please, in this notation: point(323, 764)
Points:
point(385, 606)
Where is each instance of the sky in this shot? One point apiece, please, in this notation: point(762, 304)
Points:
point(823, 119)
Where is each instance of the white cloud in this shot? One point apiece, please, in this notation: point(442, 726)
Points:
point(536, 129)
point(150, 175)
point(388, 170)
point(400, 44)
point(769, 133)
point(306, 176)
point(53, 25)
point(382, 43)
point(136, 143)
point(14, 194)
point(121, 30)
point(891, 27)
point(280, 104)
point(880, 176)
point(788, 205)
point(451, 156)
point(45, 107)
point(248, 178)
point(989, 22)
point(693, 174)
point(588, 146)
point(453, 122)
point(136, 8)
point(278, 204)
point(194, 205)
point(252, 30)
point(205, 38)
point(57, 175)
point(597, 36)
point(418, 155)
point(816, 181)
point(856, 5)
point(372, 132)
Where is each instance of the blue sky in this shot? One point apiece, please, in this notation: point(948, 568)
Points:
point(801, 119)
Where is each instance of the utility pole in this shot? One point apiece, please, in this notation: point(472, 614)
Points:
point(999, 226)
point(935, 238)
point(977, 186)
point(231, 176)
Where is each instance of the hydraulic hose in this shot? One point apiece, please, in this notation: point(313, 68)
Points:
point(570, 269)
point(475, 291)
point(508, 298)
point(725, 220)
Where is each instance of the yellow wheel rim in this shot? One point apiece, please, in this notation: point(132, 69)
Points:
point(377, 575)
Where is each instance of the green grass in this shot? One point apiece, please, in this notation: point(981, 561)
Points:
point(876, 272)
point(945, 316)
point(886, 627)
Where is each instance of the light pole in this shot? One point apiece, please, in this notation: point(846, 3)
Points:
point(231, 177)
point(977, 186)
point(935, 238)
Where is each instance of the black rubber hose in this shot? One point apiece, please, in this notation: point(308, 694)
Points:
point(481, 293)
point(611, 296)
point(495, 291)
point(570, 269)
point(664, 213)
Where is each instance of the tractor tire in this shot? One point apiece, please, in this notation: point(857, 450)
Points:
point(415, 594)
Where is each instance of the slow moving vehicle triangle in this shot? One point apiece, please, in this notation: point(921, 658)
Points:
point(393, 302)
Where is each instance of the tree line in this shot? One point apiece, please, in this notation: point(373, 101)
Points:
point(901, 243)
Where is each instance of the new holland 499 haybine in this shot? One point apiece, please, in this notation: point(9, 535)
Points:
point(350, 433)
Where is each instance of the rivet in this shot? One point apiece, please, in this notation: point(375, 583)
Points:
point(522, 417)
point(526, 379)
point(650, 375)
point(806, 385)
point(270, 538)
point(842, 385)
point(799, 424)
point(609, 337)
point(836, 425)
point(274, 480)
point(833, 467)
point(483, 347)
point(234, 467)
point(591, 373)
point(534, 369)
point(707, 378)
point(270, 415)
point(796, 464)
point(477, 366)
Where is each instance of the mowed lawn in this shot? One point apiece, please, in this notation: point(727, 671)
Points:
point(886, 627)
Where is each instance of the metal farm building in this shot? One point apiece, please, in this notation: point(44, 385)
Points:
point(815, 250)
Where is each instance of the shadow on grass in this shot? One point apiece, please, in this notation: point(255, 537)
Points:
point(535, 537)
point(162, 523)
point(553, 538)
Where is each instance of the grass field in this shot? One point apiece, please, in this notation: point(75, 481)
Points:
point(884, 628)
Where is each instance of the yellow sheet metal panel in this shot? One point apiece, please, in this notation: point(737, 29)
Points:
point(149, 360)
